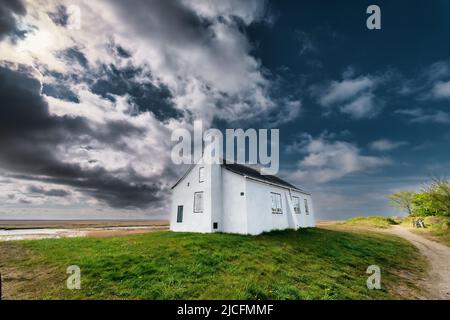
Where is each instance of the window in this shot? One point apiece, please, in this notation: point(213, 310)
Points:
point(215, 225)
point(276, 203)
point(180, 214)
point(306, 207)
point(201, 174)
point(198, 202)
point(296, 204)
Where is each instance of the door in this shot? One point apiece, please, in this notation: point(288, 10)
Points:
point(180, 214)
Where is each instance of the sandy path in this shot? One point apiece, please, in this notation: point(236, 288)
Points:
point(438, 256)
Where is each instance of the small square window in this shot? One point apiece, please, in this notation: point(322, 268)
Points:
point(275, 199)
point(242, 193)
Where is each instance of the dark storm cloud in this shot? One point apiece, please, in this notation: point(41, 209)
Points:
point(60, 87)
point(185, 27)
point(9, 8)
point(121, 52)
point(111, 80)
point(23, 111)
point(30, 136)
point(75, 55)
point(132, 192)
point(60, 16)
point(51, 192)
point(59, 91)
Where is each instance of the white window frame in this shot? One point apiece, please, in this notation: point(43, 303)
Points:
point(306, 207)
point(196, 209)
point(201, 174)
point(278, 209)
point(296, 201)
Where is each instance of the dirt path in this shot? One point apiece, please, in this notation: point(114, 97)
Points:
point(438, 256)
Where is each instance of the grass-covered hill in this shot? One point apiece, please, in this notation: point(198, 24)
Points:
point(372, 222)
point(304, 264)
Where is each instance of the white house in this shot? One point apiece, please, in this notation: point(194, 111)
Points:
point(233, 198)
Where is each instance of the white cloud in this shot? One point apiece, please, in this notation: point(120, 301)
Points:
point(327, 160)
point(441, 90)
point(340, 91)
point(354, 97)
point(207, 65)
point(431, 83)
point(362, 107)
point(418, 115)
point(386, 145)
point(248, 11)
point(196, 48)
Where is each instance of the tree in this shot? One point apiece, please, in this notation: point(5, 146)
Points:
point(424, 205)
point(439, 193)
point(403, 200)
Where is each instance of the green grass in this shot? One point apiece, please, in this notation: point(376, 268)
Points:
point(437, 228)
point(304, 264)
point(371, 221)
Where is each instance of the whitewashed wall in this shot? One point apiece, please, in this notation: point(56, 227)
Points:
point(215, 184)
point(235, 213)
point(308, 221)
point(183, 195)
point(259, 209)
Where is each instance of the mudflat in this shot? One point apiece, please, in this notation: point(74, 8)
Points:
point(76, 224)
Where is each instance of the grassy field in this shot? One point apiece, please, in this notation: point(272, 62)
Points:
point(305, 264)
point(437, 228)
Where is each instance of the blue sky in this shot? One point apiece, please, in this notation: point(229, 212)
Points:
point(402, 119)
point(87, 109)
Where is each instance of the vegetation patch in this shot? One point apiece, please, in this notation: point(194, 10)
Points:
point(372, 222)
point(304, 264)
point(436, 228)
point(431, 205)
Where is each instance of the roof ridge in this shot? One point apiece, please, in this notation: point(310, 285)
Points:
point(256, 174)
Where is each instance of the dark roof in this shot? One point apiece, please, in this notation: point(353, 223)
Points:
point(184, 175)
point(249, 172)
point(256, 174)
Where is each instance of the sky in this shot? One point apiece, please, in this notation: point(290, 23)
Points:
point(90, 92)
